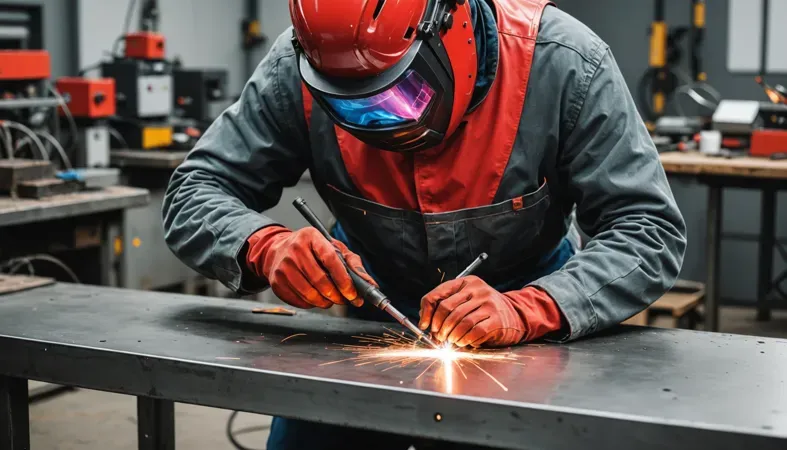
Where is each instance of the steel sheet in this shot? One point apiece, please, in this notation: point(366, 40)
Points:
point(647, 388)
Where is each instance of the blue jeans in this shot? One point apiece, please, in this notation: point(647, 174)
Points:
point(290, 434)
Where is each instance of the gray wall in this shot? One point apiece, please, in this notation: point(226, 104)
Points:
point(58, 35)
point(624, 25)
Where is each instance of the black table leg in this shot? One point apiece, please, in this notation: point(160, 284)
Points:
point(767, 242)
point(713, 249)
point(14, 414)
point(155, 424)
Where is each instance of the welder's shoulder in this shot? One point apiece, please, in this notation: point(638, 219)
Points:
point(282, 47)
point(280, 61)
point(568, 39)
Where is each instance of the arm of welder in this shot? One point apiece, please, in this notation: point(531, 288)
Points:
point(237, 170)
point(610, 168)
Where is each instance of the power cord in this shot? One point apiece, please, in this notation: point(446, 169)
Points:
point(27, 131)
point(72, 124)
point(14, 264)
point(231, 435)
point(60, 150)
point(126, 27)
point(119, 137)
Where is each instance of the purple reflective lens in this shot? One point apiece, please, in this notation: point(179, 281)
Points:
point(404, 102)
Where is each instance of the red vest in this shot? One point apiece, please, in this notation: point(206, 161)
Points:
point(464, 172)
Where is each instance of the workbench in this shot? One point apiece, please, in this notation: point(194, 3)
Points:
point(630, 388)
point(84, 221)
point(719, 173)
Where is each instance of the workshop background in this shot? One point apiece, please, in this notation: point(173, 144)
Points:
point(205, 33)
point(211, 35)
point(185, 23)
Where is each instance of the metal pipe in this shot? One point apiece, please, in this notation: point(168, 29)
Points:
point(765, 265)
point(713, 237)
point(21, 103)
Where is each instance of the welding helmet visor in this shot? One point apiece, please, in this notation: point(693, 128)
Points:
point(405, 108)
point(403, 103)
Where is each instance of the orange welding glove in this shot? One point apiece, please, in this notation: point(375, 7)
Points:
point(467, 311)
point(303, 268)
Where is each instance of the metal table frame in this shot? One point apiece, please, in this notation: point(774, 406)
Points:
point(567, 401)
point(766, 283)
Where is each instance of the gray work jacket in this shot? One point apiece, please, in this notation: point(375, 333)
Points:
point(579, 116)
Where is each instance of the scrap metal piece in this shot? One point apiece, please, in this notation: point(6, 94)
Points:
point(276, 310)
point(15, 171)
point(47, 187)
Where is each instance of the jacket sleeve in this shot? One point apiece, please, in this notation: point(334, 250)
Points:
point(610, 168)
point(237, 170)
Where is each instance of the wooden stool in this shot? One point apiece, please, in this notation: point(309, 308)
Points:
point(680, 303)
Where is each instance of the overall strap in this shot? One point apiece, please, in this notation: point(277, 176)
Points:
point(308, 102)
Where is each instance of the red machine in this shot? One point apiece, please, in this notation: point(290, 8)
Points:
point(145, 45)
point(767, 142)
point(20, 65)
point(91, 98)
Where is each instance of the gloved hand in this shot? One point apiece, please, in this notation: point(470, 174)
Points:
point(467, 311)
point(303, 268)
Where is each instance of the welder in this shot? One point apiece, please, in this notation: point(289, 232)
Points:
point(435, 130)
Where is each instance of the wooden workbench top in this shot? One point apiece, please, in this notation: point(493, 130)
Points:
point(693, 163)
point(20, 211)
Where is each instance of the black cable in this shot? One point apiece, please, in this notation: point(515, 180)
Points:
point(126, 26)
point(231, 434)
point(12, 265)
point(114, 133)
point(644, 95)
point(87, 69)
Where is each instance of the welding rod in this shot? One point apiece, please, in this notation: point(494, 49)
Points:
point(365, 289)
point(473, 265)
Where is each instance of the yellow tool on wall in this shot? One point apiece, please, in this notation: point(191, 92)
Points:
point(661, 79)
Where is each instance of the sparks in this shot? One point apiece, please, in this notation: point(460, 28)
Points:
point(396, 350)
point(292, 336)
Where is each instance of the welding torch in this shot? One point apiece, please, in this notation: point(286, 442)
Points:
point(365, 289)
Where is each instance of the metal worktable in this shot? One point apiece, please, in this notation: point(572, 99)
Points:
point(87, 227)
point(23, 211)
point(633, 388)
point(717, 173)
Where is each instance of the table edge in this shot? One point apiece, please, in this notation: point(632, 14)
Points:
point(140, 197)
point(47, 361)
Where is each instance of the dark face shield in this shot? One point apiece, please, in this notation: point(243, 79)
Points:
point(405, 108)
point(403, 103)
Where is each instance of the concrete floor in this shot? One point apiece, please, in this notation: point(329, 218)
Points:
point(90, 420)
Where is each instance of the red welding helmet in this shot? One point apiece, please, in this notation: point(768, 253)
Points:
point(396, 74)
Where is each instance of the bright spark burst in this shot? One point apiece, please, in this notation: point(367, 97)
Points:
point(396, 350)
